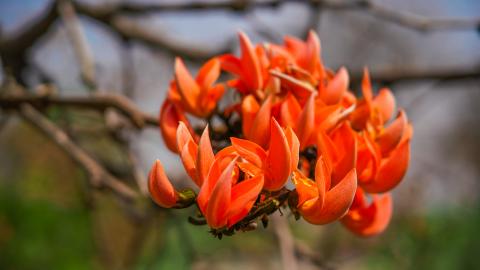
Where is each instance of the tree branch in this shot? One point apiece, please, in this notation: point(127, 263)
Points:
point(98, 176)
point(97, 102)
point(403, 18)
point(79, 42)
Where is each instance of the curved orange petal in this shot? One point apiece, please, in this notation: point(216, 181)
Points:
point(170, 116)
point(250, 63)
point(232, 64)
point(312, 208)
point(160, 188)
point(278, 162)
point(250, 108)
point(250, 151)
point(391, 136)
point(345, 140)
point(208, 73)
point(183, 135)
point(187, 86)
point(188, 156)
point(312, 55)
point(250, 169)
point(326, 148)
point(294, 46)
point(260, 129)
point(367, 88)
point(305, 124)
point(392, 170)
point(368, 160)
point(322, 178)
point(385, 102)
point(294, 145)
point(205, 157)
point(219, 201)
point(244, 195)
point(372, 219)
point(307, 191)
point(337, 201)
point(290, 111)
point(336, 88)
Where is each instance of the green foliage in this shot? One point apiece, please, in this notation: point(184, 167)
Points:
point(39, 234)
point(445, 239)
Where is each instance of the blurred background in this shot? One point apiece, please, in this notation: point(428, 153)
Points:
point(427, 52)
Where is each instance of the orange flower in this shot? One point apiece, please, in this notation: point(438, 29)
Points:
point(321, 201)
point(374, 110)
point(277, 163)
point(224, 200)
point(368, 219)
point(170, 115)
point(338, 150)
point(382, 162)
point(306, 54)
point(248, 67)
point(196, 159)
point(161, 190)
point(197, 96)
point(256, 124)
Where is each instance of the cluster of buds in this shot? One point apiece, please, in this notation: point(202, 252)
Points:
point(294, 137)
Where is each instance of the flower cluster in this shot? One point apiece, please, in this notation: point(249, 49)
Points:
point(294, 136)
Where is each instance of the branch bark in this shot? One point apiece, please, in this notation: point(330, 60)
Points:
point(79, 42)
point(97, 102)
point(98, 176)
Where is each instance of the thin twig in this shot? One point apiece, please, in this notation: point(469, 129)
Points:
point(98, 176)
point(79, 42)
point(98, 102)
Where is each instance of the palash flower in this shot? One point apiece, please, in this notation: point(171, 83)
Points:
point(197, 96)
point(367, 219)
point(292, 119)
point(277, 163)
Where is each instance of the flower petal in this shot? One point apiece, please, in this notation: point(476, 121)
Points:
point(208, 73)
point(345, 140)
point(188, 156)
point(278, 162)
point(336, 88)
point(250, 63)
point(187, 86)
point(385, 102)
point(372, 219)
point(250, 108)
point(290, 111)
point(305, 124)
point(160, 188)
point(205, 157)
point(260, 129)
point(170, 116)
point(244, 195)
point(219, 201)
point(250, 151)
point(294, 145)
point(337, 201)
point(183, 136)
point(391, 136)
point(392, 170)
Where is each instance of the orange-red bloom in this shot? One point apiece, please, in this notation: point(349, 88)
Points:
point(197, 96)
point(277, 163)
point(223, 199)
point(368, 219)
point(161, 190)
point(321, 202)
point(292, 118)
